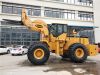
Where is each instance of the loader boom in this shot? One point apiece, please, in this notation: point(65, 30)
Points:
point(37, 25)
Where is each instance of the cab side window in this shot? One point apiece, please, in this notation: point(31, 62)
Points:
point(57, 29)
point(60, 29)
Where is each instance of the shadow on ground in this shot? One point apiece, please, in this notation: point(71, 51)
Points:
point(3, 54)
point(56, 64)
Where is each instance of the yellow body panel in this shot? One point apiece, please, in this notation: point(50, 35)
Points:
point(72, 40)
point(57, 43)
point(92, 50)
point(62, 44)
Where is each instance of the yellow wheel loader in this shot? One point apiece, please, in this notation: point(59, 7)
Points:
point(54, 39)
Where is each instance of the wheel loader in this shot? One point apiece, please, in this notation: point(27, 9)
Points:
point(54, 38)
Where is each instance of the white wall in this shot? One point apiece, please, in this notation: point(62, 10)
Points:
point(97, 19)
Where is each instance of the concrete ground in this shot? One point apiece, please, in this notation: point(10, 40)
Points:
point(19, 65)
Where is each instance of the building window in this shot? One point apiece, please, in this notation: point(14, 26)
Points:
point(59, 0)
point(56, 13)
point(17, 8)
point(76, 2)
point(69, 14)
point(29, 11)
point(17, 36)
point(70, 1)
point(52, 12)
point(48, 12)
point(7, 9)
point(36, 11)
point(60, 13)
point(86, 2)
point(88, 16)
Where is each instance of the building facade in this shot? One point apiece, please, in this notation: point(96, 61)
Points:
point(97, 20)
point(77, 14)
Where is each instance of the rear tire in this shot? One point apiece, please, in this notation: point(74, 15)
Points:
point(79, 57)
point(34, 58)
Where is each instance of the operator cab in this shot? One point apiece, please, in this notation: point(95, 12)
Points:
point(57, 29)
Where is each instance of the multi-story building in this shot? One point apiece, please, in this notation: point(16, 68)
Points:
point(97, 20)
point(77, 14)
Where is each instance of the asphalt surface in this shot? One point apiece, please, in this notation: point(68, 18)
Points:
point(19, 65)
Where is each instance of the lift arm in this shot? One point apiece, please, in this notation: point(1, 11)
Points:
point(36, 25)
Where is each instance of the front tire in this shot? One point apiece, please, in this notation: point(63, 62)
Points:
point(65, 55)
point(38, 54)
point(78, 53)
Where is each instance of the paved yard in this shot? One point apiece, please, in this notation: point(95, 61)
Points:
point(19, 65)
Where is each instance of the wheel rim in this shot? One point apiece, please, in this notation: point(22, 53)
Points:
point(38, 53)
point(79, 52)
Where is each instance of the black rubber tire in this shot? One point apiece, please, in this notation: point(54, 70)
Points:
point(12, 54)
point(65, 55)
point(72, 55)
point(31, 57)
point(8, 51)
